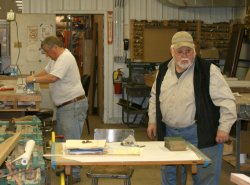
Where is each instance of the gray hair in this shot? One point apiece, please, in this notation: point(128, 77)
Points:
point(50, 41)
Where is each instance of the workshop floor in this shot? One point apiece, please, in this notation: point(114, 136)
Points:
point(143, 175)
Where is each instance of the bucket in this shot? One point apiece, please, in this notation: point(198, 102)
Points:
point(243, 158)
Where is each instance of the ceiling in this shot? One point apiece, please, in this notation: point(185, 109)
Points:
point(205, 3)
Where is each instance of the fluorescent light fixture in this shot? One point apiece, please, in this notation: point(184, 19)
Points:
point(18, 1)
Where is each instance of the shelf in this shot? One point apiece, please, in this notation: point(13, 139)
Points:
point(132, 111)
point(231, 159)
point(138, 90)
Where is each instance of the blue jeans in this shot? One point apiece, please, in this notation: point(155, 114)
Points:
point(205, 175)
point(70, 119)
point(69, 123)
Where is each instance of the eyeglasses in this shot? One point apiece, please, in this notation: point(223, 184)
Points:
point(184, 51)
point(46, 50)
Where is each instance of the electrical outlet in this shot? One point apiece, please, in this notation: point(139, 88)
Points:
point(10, 15)
point(17, 44)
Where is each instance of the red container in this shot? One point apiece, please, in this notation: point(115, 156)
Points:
point(118, 88)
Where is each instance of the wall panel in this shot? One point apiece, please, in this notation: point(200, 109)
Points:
point(72, 5)
point(55, 5)
point(26, 6)
point(88, 5)
point(134, 9)
point(38, 6)
point(169, 13)
point(138, 9)
point(154, 10)
point(104, 5)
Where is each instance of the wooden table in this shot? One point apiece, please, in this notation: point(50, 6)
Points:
point(17, 99)
point(153, 153)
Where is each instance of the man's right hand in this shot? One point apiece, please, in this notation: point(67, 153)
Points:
point(29, 79)
point(151, 130)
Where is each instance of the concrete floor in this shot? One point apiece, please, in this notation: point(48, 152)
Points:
point(143, 175)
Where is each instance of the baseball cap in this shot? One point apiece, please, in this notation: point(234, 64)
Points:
point(182, 38)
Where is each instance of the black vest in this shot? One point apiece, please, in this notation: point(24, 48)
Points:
point(207, 114)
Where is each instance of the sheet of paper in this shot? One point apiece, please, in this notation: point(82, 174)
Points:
point(117, 149)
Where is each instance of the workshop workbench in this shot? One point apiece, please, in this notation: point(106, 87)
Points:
point(13, 96)
point(153, 153)
point(243, 111)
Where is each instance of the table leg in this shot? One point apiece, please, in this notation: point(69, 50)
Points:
point(238, 129)
point(178, 174)
point(62, 178)
point(68, 175)
point(193, 169)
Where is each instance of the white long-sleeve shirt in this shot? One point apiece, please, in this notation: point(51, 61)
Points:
point(177, 100)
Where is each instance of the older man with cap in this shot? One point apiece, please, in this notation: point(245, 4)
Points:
point(190, 98)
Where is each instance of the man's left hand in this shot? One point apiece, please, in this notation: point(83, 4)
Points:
point(222, 136)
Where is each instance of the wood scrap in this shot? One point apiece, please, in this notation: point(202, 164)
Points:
point(9, 144)
point(241, 86)
point(175, 143)
point(24, 118)
point(240, 179)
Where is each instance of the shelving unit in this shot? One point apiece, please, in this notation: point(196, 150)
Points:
point(135, 94)
point(216, 35)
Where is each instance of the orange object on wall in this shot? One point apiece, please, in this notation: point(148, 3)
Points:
point(110, 27)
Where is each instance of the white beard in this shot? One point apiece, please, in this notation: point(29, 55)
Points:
point(184, 63)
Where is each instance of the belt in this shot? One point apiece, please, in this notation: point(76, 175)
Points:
point(71, 101)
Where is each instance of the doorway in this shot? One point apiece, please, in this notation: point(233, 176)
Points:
point(83, 35)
